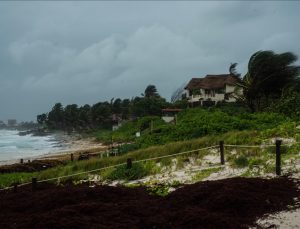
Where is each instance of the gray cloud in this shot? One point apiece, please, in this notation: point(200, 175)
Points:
point(85, 52)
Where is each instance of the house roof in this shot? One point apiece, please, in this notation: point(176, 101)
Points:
point(171, 110)
point(211, 82)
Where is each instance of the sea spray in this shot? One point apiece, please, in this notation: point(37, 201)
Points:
point(13, 146)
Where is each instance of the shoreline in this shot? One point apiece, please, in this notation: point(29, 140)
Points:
point(74, 143)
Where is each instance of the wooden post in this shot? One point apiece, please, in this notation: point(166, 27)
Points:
point(175, 119)
point(72, 157)
point(21, 160)
point(278, 158)
point(112, 146)
point(222, 152)
point(151, 126)
point(33, 183)
point(129, 163)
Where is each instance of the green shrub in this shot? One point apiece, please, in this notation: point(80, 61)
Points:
point(159, 190)
point(255, 162)
point(204, 173)
point(125, 148)
point(241, 161)
point(137, 171)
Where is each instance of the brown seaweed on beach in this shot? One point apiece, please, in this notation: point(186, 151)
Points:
point(229, 203)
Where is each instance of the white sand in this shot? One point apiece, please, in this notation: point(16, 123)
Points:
point(282, 220)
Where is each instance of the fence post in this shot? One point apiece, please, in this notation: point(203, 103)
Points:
point(111, 145)
point(72, 157)
point(21, 160)
point(278, 158)
point(222, 152)
point(129, 163)
point(151, 126)
point(33, 183)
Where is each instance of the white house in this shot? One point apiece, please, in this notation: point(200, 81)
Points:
point(211, 89)
point(169, 114)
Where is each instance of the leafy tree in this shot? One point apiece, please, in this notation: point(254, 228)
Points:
point(151, 91)
point(117, 106)
point(101, 114)
point(56, 117)
point(268, 75)
point(84, 116)
point(125, 106)
point(233, 72)
point(288, 104)
point(71, 114)
point(41, 119)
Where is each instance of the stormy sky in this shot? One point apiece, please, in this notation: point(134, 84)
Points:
point(86, 52)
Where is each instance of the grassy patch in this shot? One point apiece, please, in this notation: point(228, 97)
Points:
point(137, 171)
point(9, 179)
point(204, 173)
point(241, 161)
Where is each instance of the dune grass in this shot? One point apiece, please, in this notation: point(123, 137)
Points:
point(248, 137)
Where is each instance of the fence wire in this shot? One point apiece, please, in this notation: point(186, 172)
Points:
point(148, 159)
point(112, 166)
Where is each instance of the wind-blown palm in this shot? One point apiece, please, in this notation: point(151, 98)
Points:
point(268, 75)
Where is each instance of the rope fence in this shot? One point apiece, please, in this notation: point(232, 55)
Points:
point(129, 162)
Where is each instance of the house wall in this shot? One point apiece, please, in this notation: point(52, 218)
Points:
point(229, 88)
point(168, 118)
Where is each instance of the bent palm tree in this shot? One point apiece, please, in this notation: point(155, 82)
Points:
point(268, 75)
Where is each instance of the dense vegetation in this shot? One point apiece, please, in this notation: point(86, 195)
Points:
point(191, 123)
point(103, 114)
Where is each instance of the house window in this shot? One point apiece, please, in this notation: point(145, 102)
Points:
point(227, 96)
point(196, 92)
point(220, 91)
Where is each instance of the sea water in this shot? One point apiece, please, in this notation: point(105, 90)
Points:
point(13, 146)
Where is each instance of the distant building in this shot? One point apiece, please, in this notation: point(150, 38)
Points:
point(11, 122)
point(116, 122)
point(211, 89)
point(169, 114)
point(2, 124)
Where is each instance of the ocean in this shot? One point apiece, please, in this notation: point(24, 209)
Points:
point(15, 147)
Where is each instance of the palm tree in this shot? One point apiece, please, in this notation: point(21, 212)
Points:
point(268, 75)
point(233, 72)
point(151, 91)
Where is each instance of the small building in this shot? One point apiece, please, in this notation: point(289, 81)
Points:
point(116, 122)
point(169, 114)
point(211, 89)
point(2, 124)
point(11, 122)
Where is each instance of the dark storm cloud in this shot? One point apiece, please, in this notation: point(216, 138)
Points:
point(84, 52)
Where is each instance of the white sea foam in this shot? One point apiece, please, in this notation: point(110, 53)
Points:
point(13, 146)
